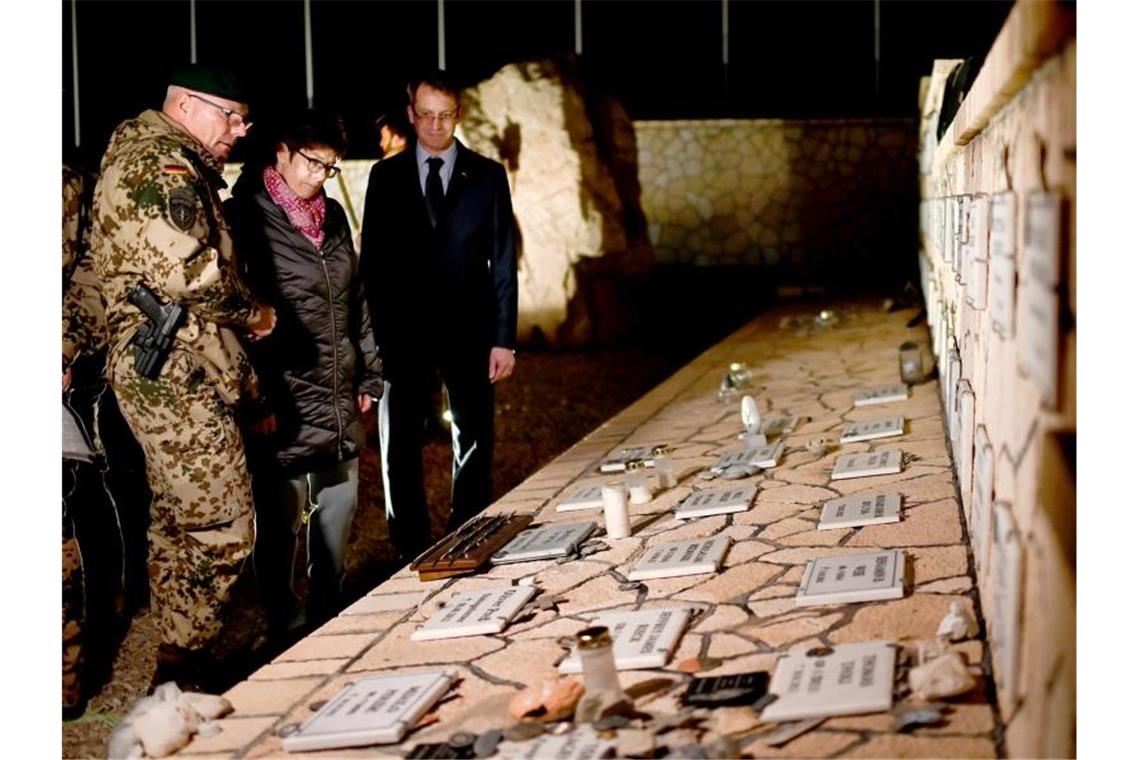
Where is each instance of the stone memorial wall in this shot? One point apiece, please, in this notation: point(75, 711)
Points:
point(998, 257)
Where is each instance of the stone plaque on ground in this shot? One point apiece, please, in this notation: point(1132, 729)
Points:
point(374, 710)
point(475, 613)
point(982, 498)
point(885, 395)
point(777, 426)
point(756, 456)
point(853, 432)
point(581, 743)
point(582, 497)
point(716, 501)
point(633, 454)
point(867, 464)
point(852, 578)
point(689, 556)
point(852, 679)
point(853, 511)
point(642, 638)
point(544, 542)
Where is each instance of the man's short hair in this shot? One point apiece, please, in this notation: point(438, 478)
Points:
point(437, 79)
point(312, 129)
point(395, 121)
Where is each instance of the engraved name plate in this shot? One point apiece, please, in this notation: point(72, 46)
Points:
point(716, 501)
point(1006, 575)
point(853, 432)
point(966, 241)
point(852, 578)
point(1002, 267)
point(854, 511)
point(776, 426)
point(623, 457)
point(544, 542)
point(582, 743)
point(982, 498)
point(1038, 350)
point(1043, 237)
point(475, 613)
point(886, 395)
point(372, 710)
point(642, 639)
point(852, 679)
point(582, 497)
point(866, 464)
point(756, 456)
point(978, 265)
point(963, 441)
point(950, 387)
point(690, 556)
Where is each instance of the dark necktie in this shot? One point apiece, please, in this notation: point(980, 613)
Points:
point(434, 191)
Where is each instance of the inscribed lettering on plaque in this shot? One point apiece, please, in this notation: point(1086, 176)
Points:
point(475, 613)
point(852, 578)
point(867, 464)
point(642, 638)
point(854, 511)
point(1003, 267)
point(716, 501)
point(690, 556)
point(853, 432)
point(544, 542)
point(587, 496)
point(850, 680)
point(885, 395)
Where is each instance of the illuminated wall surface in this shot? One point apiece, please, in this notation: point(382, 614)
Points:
point(998, 257)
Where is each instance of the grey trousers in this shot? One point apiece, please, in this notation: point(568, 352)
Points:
point(329, 497)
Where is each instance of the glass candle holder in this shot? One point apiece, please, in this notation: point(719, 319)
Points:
point(599, 671)
point(910, 363)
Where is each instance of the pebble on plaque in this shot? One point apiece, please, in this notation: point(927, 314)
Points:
point(475, 613)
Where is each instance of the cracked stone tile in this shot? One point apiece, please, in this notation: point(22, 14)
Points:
point(406, 581)
point(664, 588)
point(778, 530)
point(960, 585)
point(731, 583)
point(879, 723)
point(672, 531)
point(768, 608)
point(359, 623)
point(398, 650)
point(815, 537)
point(277, 671)
point(780, 634)
point(745, 551)
point(812, 474)
point(251, 698)
point(915, 745)
point(515, 570)
point(327, 647)
point(725, 617)
point(525, 661)
point(911, 617)
point(937, 562)
point(558, 578)
point(619, 552)
point(812, 744)
point(928, 524)
point(729, 645)
point(762, 514)
point(733, 720)
point(599, 593)
point(481, 705)
point(235, 734)
point(555, 627)
point(739, 533)
point(777, 590)
point(373, 603)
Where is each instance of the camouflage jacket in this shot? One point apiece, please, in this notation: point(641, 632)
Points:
point(157, 217)
point(84, 322)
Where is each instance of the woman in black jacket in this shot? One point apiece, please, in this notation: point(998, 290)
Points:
point(319, 369)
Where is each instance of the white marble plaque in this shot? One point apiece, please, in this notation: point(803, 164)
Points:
point(582, 497)
point(1006, 575)
point(688, 556)
point(582, 743)
point(756, 456)
point(1043, 238)
point(618, 462)
point(964, 439)
point(867, 464)
point(373, 710)
point(950, 386)
point(777, 426)
point(853, 432)
point(950, 231)
point(1002, 266)
point(964, 251)
point(544, 542)
point(980, 512)
point(853, 679)
point(885, 395)
point(1037, 350)
point(852, 578)
point(642, 638)
point(716, 501)
point(978, 264)
point(854, 511)
point(475, 613)
point(1003, 219)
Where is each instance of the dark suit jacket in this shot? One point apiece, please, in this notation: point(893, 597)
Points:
point(438, 292)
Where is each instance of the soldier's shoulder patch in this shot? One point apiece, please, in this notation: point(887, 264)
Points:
point(176, 169)
point(183, 205)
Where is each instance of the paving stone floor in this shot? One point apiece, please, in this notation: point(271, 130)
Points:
point(746, 615)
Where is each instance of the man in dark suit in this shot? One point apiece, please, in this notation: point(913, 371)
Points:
point(438, 262)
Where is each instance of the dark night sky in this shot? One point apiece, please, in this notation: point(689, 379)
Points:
point(808, 58)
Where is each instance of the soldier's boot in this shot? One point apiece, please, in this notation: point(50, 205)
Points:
point(191, 669)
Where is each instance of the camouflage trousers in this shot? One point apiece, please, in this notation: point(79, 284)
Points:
point(201, 514)
point(72, 617)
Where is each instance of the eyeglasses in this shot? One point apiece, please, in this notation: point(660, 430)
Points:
point(445, 117)
point(317, 166)
point(233, 117)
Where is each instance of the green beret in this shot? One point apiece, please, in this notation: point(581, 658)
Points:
point(211, 80)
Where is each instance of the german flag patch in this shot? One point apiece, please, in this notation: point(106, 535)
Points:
point(175, 169)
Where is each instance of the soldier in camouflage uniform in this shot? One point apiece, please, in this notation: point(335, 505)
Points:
point(157, 218)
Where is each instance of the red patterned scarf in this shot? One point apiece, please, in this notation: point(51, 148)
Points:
point(308, 217)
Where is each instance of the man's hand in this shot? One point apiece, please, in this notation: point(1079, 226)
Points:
point(502, 364)
point(363, 402)
point(265, 322)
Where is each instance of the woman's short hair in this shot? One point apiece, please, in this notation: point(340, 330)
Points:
point(313, 129)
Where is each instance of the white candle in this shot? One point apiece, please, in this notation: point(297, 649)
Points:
point(616, 507)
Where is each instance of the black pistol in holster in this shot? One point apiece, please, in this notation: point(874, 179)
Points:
point(155, 337)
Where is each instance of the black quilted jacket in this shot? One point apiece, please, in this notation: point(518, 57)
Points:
point(321, 354)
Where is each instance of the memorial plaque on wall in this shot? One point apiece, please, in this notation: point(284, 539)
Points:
point(582, 743)
point(983, 497)
point(716, 501)
point(953, 373)
point(965, 239)
point(372, 710)
point(950, 244)
point(687, 556)
point(855, 511)
point(886, 395)
point(854, 432)
point(852, 578)
point(978, 265)
point(1043, 238)
point(642, 638)
point(850, 680)
point(1002, 266)
point(867, 464)
point(475, 613)
point(1037, 350)
point(964, 449)
point(1006, 554)
point(544, 542)
point(582, 497)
